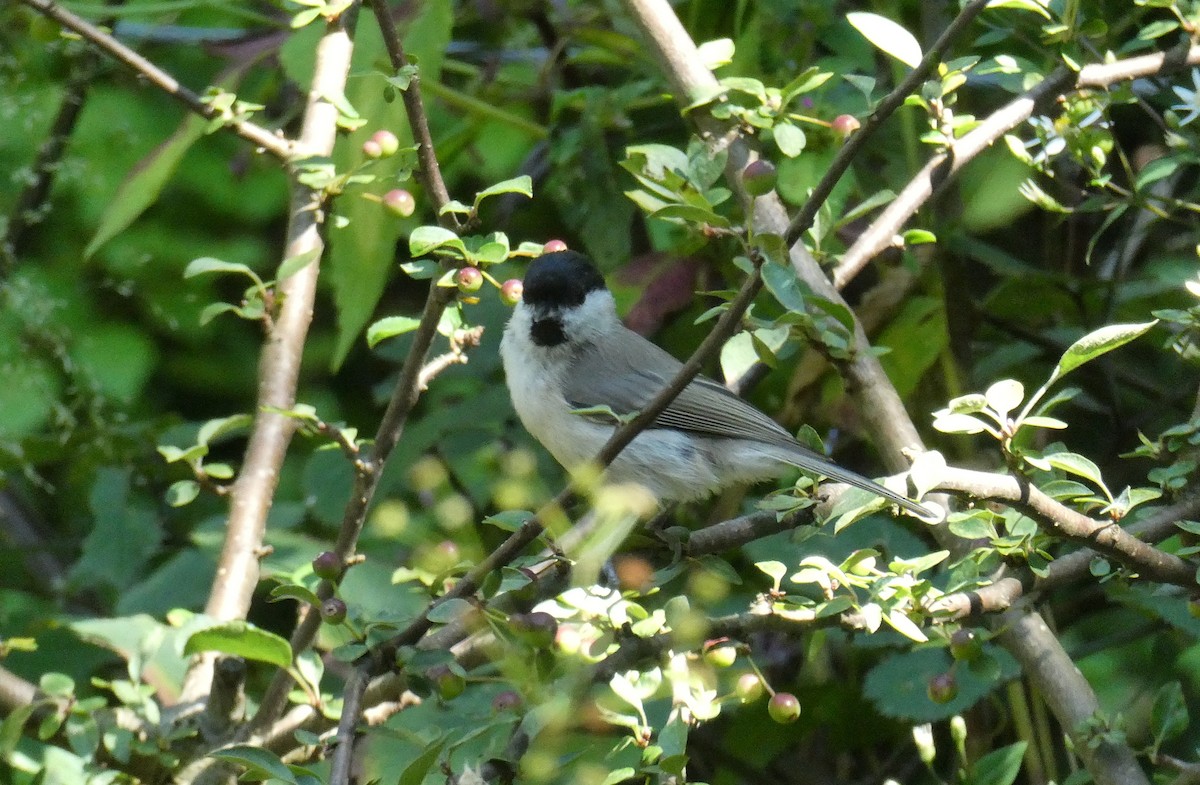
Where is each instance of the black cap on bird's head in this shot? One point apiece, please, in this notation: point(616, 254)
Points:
point(561, 279)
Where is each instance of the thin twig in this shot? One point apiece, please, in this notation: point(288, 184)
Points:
point(883, 110)
point(268, 140)
point(879, 235)
point(279, 367)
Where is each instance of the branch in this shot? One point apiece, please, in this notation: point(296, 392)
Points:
point(884, 109)
point(268, 140)
point(1063, 571)
point(15, 692)
point(940, 168)
point(279, 365)
point(1046, 664)
point(1105, 537)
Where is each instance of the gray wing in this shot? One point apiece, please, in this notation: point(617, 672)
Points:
point(626, 371)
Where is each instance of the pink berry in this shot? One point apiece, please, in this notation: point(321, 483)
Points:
point(553, 246)
point(387, 141)
point(327, 565)
point(943, 688)
point(469, 280)
point(510, 292)
point(749, 687)
point(400, 202)
point(371, 149)
point(845, 124)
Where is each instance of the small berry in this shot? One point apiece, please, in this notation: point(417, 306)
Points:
point(553, 246)
point(719, 653)
point(387, 142)
point(327, 565)
point(965, 645)
point(469, 280)
point(449, 684)
point(537, 629)
point(845, 124)
point(759, 177)
point(333, 611)
point(371, 149)
point(943, 688)
point(510, 292)
point(400, 202)
point(506, 701)
point(749, 687)
point(784, 707)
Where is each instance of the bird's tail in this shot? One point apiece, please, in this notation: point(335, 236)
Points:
point(810, 461)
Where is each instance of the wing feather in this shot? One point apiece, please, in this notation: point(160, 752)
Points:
point(625, 372)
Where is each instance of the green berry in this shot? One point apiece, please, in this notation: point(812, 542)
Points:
point(448, 683)
point(965, 645)
point(537, 629)
point(784, 707)
point(749, 687)
point(720, 653)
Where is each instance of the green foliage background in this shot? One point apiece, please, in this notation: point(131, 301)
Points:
point(104, 357)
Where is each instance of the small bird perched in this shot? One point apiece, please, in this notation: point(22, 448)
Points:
point(565, 350)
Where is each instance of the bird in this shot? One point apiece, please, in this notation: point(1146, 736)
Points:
point(574, 371)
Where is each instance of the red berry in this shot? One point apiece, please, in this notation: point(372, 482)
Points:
point(943, 688)
point(400, 202)
point(784, 707)
point(749, 687)
point(553, 246)
point(333, 611)
point(469, 280)
point(387, 141)
point(759, 177)
point(510, 292)
point(327, 565)
point(845, 124)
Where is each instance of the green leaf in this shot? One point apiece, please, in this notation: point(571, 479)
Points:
point(1094, 344)
point(509, 520)
point(294, 591)
point(390, 327)
point(144, 184)
point(207, 264)
point(790, 139)
point(448, 611)
point(426, 239)
point(919, 237)
point(295, 264)
point(775, 569)
point(57, 685)
point(999, 767)
point(1169, 715)
point(213, 430)
point(241, 639)
point(887, 36)
point(688, 213)
point(1076, 464)
point(415, 772)
point(12, 728)
point(1004, 396)
point(258, 763)
point(517, 185)
point(182, 493)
